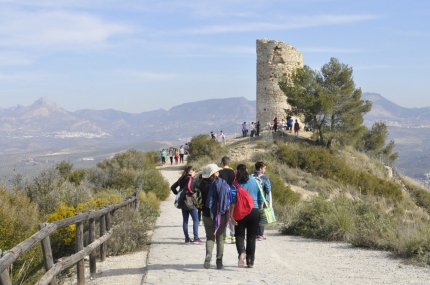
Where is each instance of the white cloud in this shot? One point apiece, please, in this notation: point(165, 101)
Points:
point(55, 29)
point(288, 24)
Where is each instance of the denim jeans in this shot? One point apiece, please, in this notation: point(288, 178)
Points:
point(194, 216)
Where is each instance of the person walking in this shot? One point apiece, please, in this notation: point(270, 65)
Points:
point(181, 154)
point(264, 182)
point(296, 129)
point(163, 155)
point(249, 223)
point(275, 124)
point(171, 154)
point(222, 136)
point(216, 198)
point(176, 155)
point(185, 183)
point(227, 173)
point(290, 124)
point(244, 129)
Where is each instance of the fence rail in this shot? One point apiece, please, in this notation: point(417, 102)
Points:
point(45, 229)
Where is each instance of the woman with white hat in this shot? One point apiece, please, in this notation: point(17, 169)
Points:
point(216, 198)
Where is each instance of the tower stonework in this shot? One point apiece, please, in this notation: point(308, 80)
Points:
point(275, 60)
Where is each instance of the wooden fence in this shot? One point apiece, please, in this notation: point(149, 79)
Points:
point(45, 229)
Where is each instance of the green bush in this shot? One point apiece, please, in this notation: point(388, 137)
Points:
point(322, 162)
point(203, 145)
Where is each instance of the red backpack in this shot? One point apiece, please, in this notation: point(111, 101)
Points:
point(244, 202)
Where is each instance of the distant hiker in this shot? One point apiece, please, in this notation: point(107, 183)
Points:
point(260, 169)
point(176, 157)
point(244, 129)
point(296, 128)
point(290, 124)
point(222, 136)
point(216, 205)
point(188, 209)
point(171, 155)
point(181, 154)
point(257, 125)
point(275, 124)
point(283, 125)
point(252, 130)
point(227, 173)
point(163, 156)
point(250, 222)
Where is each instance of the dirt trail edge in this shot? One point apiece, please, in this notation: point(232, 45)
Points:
point(278, 260)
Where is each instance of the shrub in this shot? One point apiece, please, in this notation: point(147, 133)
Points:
point(203, 145)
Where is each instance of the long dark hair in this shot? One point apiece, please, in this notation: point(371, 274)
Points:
point(187, 170)
point(242, 175)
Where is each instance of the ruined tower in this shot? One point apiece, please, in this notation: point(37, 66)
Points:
point(275, 59)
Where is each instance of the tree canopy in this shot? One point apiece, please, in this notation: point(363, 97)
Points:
point(329, 101)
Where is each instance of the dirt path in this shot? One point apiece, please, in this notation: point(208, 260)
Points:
point(279, 260)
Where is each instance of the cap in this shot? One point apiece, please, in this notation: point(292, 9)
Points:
point(210, 169)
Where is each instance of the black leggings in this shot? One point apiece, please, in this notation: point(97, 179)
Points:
point(250, 224)
point(171, 159)
point(181, 157)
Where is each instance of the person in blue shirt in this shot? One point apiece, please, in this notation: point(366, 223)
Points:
point(266, 187)
point(249, 223)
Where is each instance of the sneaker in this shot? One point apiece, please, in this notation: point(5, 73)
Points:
point(242, 258)
point(264, 238)
point(197, 241)
point(219, 263)
point(207, 263)
point(225, 239)
point(187, 241)
point(233, 239)
point(249, 262)
point(260, 237)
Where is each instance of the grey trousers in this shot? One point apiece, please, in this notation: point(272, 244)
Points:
point(210, 237)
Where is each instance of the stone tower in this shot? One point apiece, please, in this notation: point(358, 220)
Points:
point(275, 59)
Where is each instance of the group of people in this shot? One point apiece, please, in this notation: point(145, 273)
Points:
point(287, 125)
point(221, 136)
point(174, 154)
point(217, 186)
point(255, 129)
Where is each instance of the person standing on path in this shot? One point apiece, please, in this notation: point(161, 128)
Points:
point(181, 154)
point(275, 124)
point(244, 130)
point(176, 151)
point(227, 173)
point(260, 169)
point(163, 155)
point(250, 222)
point(216, 198)
point(296, 129)
point(222, 136)
point(171, 154)
point(188, 209)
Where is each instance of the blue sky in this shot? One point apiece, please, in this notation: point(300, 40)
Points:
point(140, 55)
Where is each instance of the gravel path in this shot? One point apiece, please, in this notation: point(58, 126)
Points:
point(278, 260)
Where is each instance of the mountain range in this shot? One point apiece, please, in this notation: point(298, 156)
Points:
point(45, 125)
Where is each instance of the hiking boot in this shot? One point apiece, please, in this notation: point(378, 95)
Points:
point(197, 241)
point(219, 263)
point(207, 263)
point(233, 239)
point(242, 258)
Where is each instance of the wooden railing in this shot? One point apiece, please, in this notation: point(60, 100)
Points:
point(45, 229)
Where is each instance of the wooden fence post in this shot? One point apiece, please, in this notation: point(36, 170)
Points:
point(92, 238)
point(80, 246)
point(48, 259)
point(4, 276)
point(108, 224)
point(102, 233)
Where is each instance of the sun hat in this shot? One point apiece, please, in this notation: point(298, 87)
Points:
point(210, 169)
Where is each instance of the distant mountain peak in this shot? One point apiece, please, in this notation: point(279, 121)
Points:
point(45, 101)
